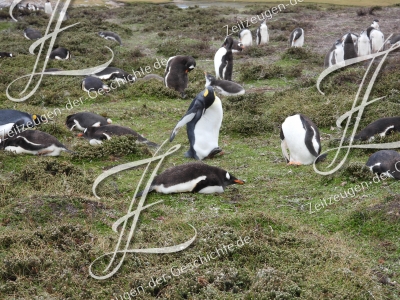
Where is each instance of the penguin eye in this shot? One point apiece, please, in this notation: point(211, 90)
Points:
point(228, 176)
point(205, 93)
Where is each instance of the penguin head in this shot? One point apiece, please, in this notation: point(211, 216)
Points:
point(228, 43)
point(348, 39)
point(190, 64)
point(208, 95)
point(209, 79)
point(230, 179)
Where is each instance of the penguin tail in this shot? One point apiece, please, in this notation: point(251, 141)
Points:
point(321, 157)
point(151, 144)
point(140, 194)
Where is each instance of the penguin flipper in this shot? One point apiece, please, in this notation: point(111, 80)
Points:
point(195, 110)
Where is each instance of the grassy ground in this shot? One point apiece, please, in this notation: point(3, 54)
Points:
point(52, 227)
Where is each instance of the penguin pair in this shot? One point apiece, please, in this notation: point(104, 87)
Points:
point(382, 127)
point(5, 54)
point(296, 38)
point(224, 87)
point(262, 36)
point(33, 142)
point(83, 120)
point(111, 73)
point(203, 121)
point(193, 177)
point(32, 34)
point(176, 73)
point(245, 37)
point(60, 53)
point(223, 60)
point(301, 136)
point(108, 35)
point(93, 84)
point(385, 162)
point(335, 54)
point(15, 121)
point(96, 135)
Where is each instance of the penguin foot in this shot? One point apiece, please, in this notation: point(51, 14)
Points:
point(44, 152)
point(294, 163)
point(214, 152)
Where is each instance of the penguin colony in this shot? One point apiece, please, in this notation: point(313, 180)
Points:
point(300, 137)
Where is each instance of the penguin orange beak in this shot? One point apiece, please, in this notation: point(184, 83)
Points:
point(80, 134)
point(186, 71)
point(238, 181)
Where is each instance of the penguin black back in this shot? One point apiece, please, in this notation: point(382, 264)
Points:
point(349, 49)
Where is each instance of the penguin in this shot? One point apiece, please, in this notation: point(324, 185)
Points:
point(203, 119)
point(5, 54)
point(32, 7)
point(236, 45)
point(335, 54)
point(301, 136)
point(47, 7)
point(354, 37)
point(385, 162)
point(92, 84)
point(83, 120)
point(96, 135)
point(394, 40)
point(114, 73)
point(33, 142)
point(262, 36)
point(32, 34)
point(375, 24)
point(60, 53)
point(108, 35)
point(245, 37)
point(176, 73)
point(348, 47)
point(364, 44)
point(377, 39)
point(296, 38)
point(382, 127)
point(194, 177)
point(224, 87)
point(223, 60)
point(14, 121)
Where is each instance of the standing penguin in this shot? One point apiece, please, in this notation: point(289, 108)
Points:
point(47, 7)
point(335, 55)
point(364, 44)
point(60, 53)
point(93, 84)
point(385, 162)
point(262, 36)
point(195, 177)
point(296, 38)
point(83, 120)
point(223, 60)
point(176, 73)
point(301, 136)
point(382, 127)
point(203, 119)
point(245, 37)
point(108, 35)
point(224, 87)
point(32, 34)
point(348, 47)
point(33, 142)
point(377, 39)
point(14, 121)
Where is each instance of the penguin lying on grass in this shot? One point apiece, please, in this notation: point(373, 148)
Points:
point(385, 162)
point(33, 142)
point(111, 73)
point(15, 121)
point(382, 127)
point(108, 35)
point(83, 120)
point(203, 120)
point(224, 87)
point(301, 136)
point(96, 135)
point(5, 54)
point(193, 177)
point(60, 53)
point(93, 84)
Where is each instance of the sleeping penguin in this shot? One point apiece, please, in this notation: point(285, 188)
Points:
point(32, 34)
point(301, 136)
point(93, 84)
point(382, 127)
point(223, 60)
point(96, 135)
point(60, 53)
point(385, 162)
point(108, 35)
point(195, 177)
point(224, 87)
point(203, 119)
point(111, 73)
point(14, 121)
point(296, 38)
point(176, 73)
point(262, 36)
point(33, 142)
point(83, 120)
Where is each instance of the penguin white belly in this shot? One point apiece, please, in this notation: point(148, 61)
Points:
point(180, 187)
point(218, 61)
point(339, 55)
point(94, 142)
point(5, 129)
point(295, 140)
point(206, 131)
point(19, 150)
point(247, 40)
point(264, 35)
point(212, 190)
point(299, 42)
point(377, 40)
point(364, 46)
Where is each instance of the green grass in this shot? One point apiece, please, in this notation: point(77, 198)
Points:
point(52, 227)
